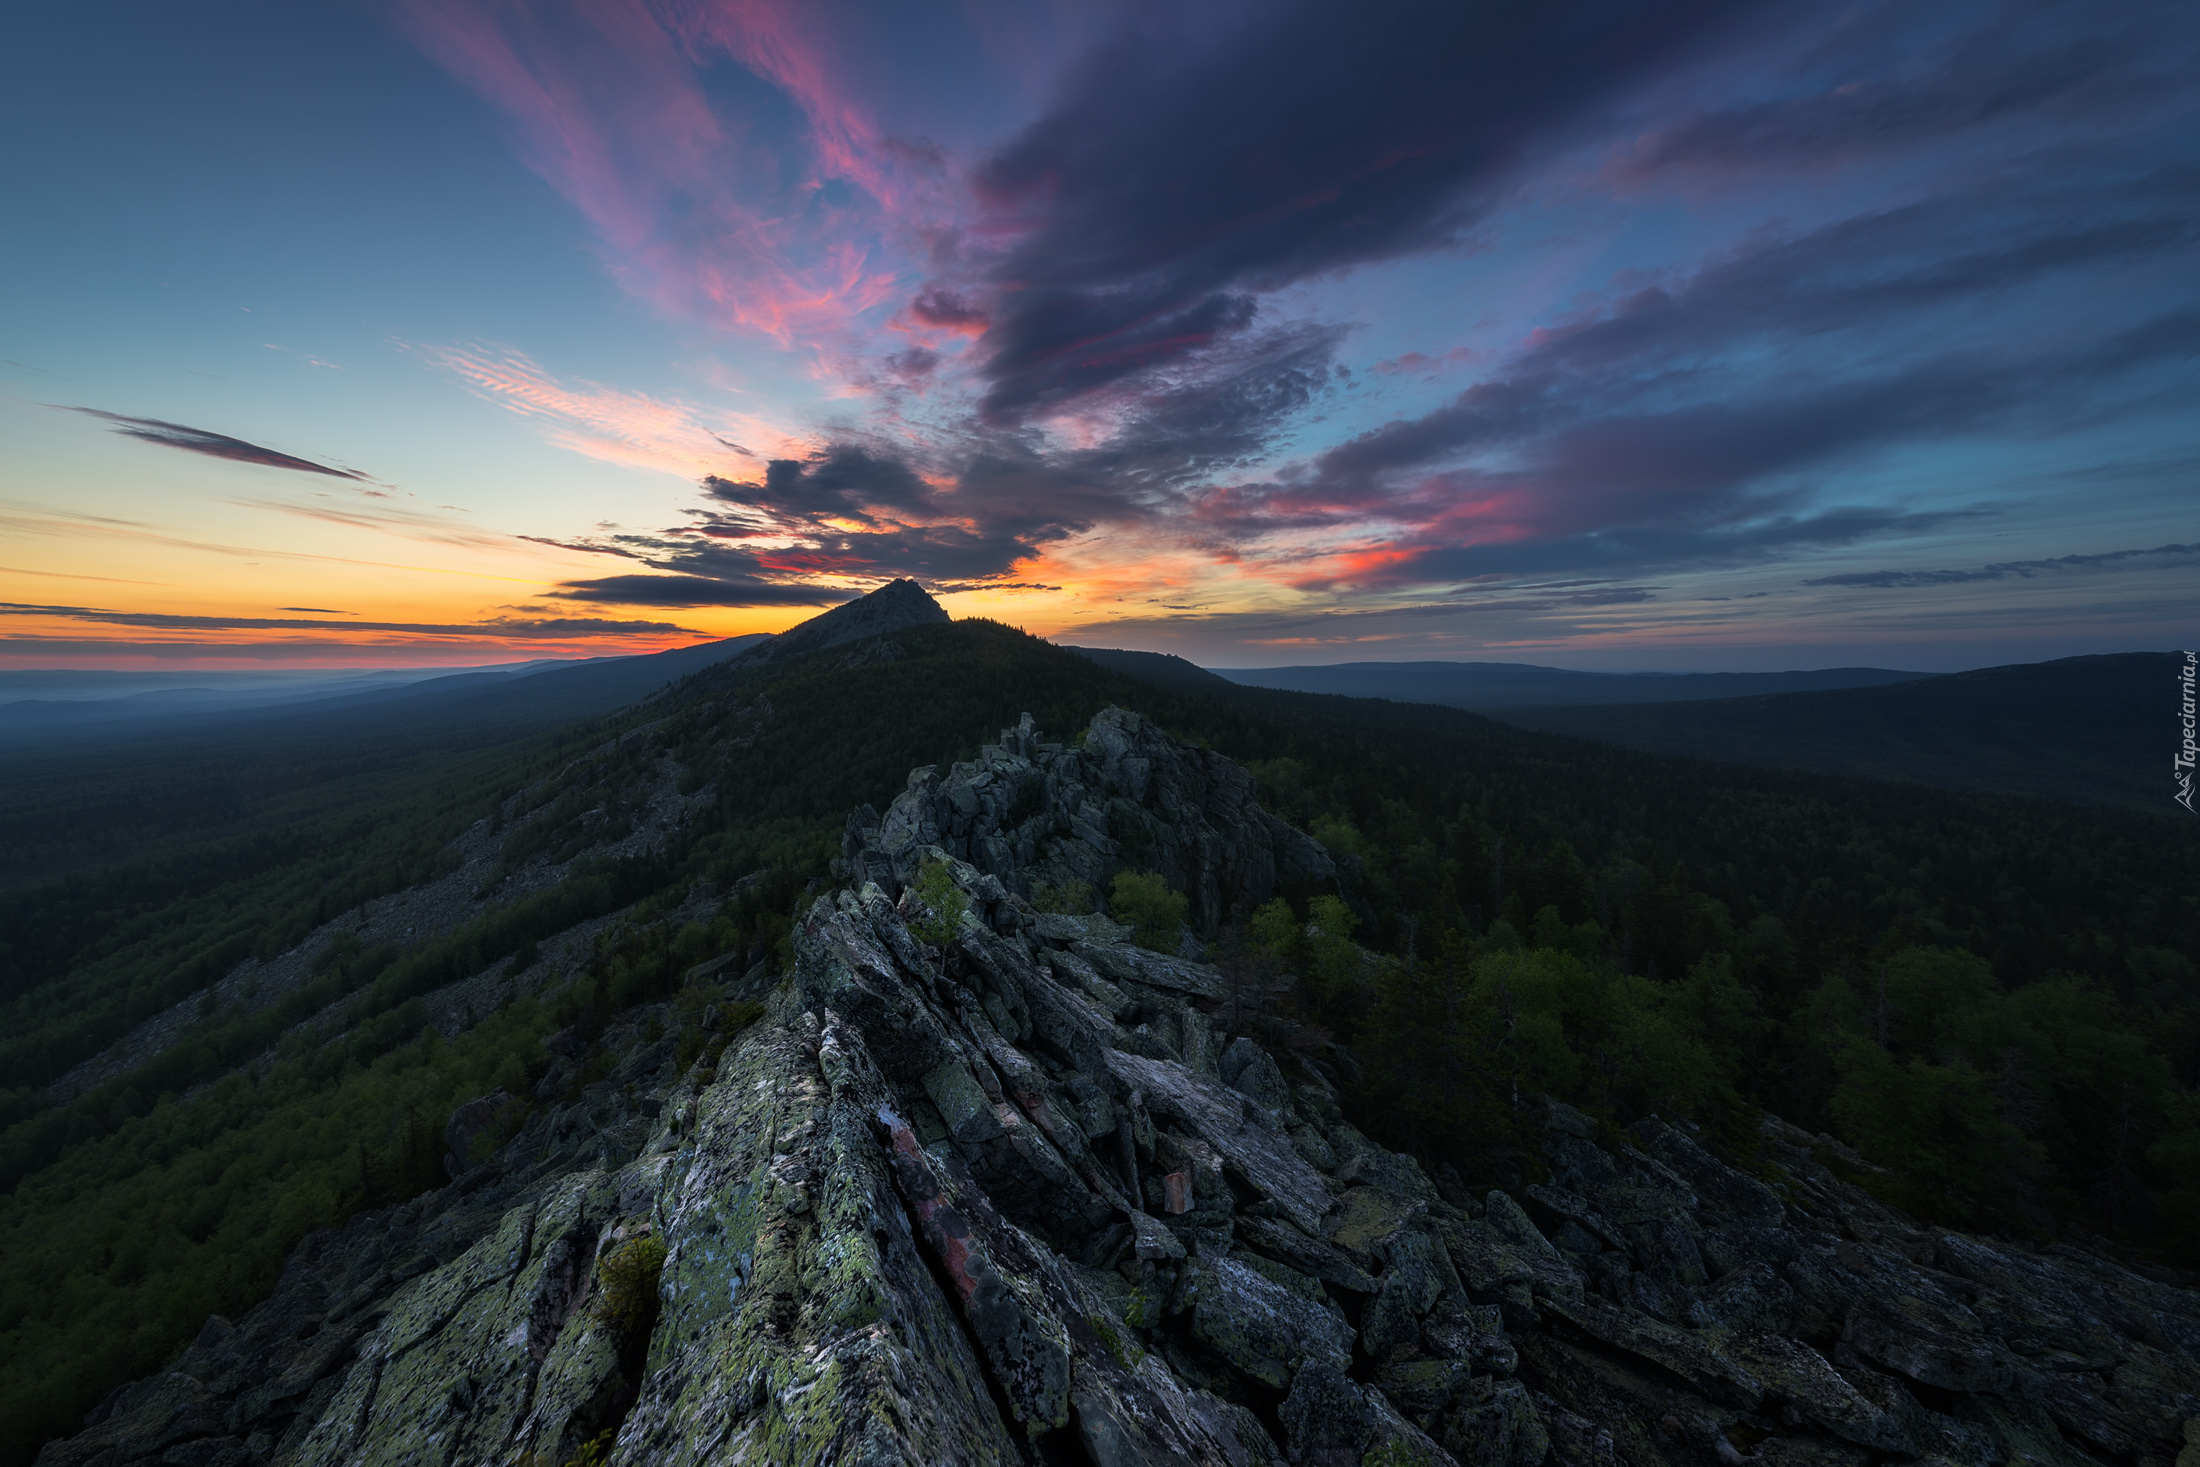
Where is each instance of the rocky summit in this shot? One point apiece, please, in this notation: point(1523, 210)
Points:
point(892, 607)
point(982, 1181)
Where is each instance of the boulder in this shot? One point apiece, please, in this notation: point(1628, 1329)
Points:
point(1267, 1331)
point(477, 1128)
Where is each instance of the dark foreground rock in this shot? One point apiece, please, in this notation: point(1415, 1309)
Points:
point(1013, 1194)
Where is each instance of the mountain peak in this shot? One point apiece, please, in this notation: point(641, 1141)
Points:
point(891, 608)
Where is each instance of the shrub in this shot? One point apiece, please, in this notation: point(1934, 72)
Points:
point(1155, 913)
point(628, 1304)
point(937, 890)
point(1072, 898)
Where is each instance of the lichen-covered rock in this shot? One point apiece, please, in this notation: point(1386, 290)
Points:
point(1494, 1422)
point(1026, 812)
point(452, 1370)
point(800, 1322)
point(1330, 1420)
point(1266, 1330)
point(1287, 1244)
point(1457, 1330)
point(1932, 1343)
point(476, 1128)
point(151, 1417)
point(1422, 1387)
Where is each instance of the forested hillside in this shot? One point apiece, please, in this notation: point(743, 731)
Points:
point(2096, 729)
point(1993, 998)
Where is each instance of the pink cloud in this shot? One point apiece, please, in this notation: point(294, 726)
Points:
point(689, 193)
point(1415, 363)
point(613, 424)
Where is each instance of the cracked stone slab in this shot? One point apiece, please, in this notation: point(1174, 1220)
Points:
point(1218, 1116)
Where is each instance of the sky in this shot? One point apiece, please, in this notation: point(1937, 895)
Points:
point(1628, 336)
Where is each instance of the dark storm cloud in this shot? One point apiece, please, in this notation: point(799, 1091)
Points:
point(1119, 272)
point(860, 511)
point(845, 481)
point(586, 547)
point(993, 497)
point(1878, 271)
point(1187, 426)
point(1176, 176)
point(1617, 441)
point(1657, 459)
point(1631, 436)
point(2114, 560)
point(1630, 549)
point(863, 510)
point(1885, 269)
point(213, 445)
point(1706, 484)
point(2057, 59)
point(1452, 624)
point(678, 590)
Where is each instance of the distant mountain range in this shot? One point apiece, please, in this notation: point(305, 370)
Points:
point(1489, 685)
point(41, 706)
point(2093, 729)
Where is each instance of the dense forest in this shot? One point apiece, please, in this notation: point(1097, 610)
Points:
point(1993, 999)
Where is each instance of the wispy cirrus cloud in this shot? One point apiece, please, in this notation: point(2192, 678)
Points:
point(1945, 71)
point(545, 628)
point(389, 519)
point(706, 200)
point(612, 424)
point(213, 445)
point(2157, 558)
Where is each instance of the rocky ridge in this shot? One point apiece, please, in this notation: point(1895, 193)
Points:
point(893, 607)
point(625, 798)
point(987, 1184)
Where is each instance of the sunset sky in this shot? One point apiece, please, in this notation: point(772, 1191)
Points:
point(1664, 336)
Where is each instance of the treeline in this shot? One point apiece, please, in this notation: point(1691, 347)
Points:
point(1993, 998)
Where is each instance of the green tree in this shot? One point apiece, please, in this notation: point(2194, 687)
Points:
point(1334, 965)
point(1274, 931)
point(1155, 913)
point(1937, 1129)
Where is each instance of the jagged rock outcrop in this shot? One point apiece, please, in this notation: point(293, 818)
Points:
point(994, 1186)
point(1124, 795)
